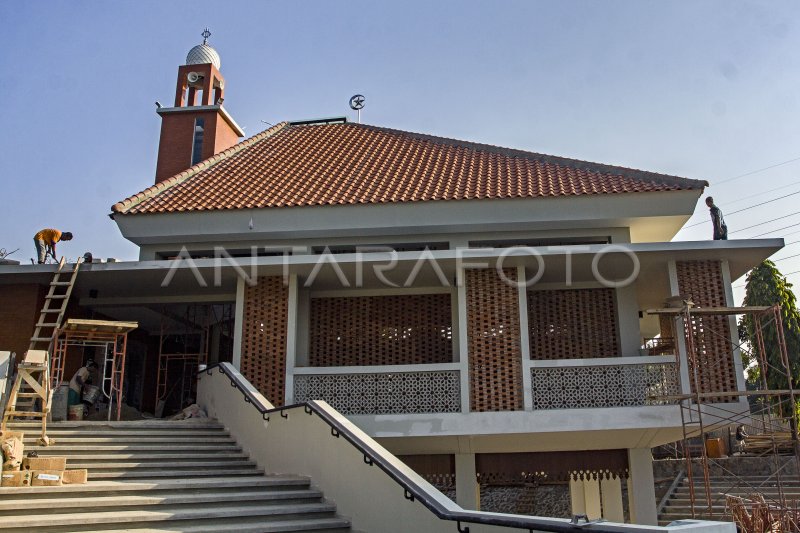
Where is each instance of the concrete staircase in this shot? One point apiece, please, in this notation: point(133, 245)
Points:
point(154, 476)
point(678, 506)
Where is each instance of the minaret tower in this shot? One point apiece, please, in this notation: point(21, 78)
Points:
point(197, 127)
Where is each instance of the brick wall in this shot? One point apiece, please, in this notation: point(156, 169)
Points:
point(264, 335)
point(19, 310)
point(380, 330)
point(702, 283)
point(493, 337)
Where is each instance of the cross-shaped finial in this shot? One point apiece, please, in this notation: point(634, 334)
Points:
point(206, 34)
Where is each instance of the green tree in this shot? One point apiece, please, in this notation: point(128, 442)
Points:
point(767, 286)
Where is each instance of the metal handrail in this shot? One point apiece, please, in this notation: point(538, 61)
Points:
point(412, 491)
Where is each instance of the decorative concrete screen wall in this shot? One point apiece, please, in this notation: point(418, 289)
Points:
point(493, 337)
point(702, 283)
point(572, 324)
point(264, 330)
point(380, 330)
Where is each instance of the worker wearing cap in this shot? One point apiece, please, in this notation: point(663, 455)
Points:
point(45, 241)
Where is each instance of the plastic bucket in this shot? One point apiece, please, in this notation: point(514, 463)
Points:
point(90, 394)
point(75, 412)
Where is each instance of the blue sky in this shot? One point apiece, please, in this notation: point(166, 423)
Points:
point(702, 89)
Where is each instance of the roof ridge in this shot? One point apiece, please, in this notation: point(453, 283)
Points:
point(177, 179)
point(546, 158)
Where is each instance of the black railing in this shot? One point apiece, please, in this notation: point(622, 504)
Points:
point(411, 489)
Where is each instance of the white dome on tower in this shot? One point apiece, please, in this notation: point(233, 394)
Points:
point(203, 54)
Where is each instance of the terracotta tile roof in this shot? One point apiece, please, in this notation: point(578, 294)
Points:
point(345, 163)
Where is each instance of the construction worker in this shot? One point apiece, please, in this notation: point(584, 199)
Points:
point(720, 229)
point(79, 379)
point(45, 241)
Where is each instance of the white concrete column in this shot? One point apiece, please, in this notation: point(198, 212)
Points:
point(463, 348)
point(238, 324)
point(291, 339)
point(591, 497)
point(611, 496)
point(678, 326)
point(577, 497)
point(642, 492)
point(630, 337)
point(734, 327)
point(468, 492)
point(524, 339)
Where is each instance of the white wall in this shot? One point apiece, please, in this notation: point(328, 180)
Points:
point(303, 444)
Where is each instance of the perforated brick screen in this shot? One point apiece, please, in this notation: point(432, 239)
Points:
point(380, 330)
point(264, 329)
point(702, 283)
point(572, 324)
point(493, 334)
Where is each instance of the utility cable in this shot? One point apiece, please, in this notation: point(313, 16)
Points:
point(757, 171)
point(762, 193)
point(765, 222)
point(787, 257)
point(773, 231)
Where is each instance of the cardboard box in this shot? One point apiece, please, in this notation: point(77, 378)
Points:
point(8, 434)
point(44, 463)
point(12, 450)
point(16, 479)
point(75, 477)
point(46, 478)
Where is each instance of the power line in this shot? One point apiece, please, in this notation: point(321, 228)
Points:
point(766, 222)
point(773, 231)
point(757, 171)
point(787, 257)
point(747, 208)
point(784, 275)
point(750, 197)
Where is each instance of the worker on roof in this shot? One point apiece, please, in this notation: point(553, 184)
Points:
point(45, 241)
point(83, 376)
point(720, 229)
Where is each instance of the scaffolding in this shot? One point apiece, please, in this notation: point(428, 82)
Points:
point(112, 337)
point(704, 411)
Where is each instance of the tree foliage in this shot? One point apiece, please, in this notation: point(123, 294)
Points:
point(767, 286)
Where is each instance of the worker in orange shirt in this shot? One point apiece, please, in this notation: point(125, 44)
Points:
point(45, 241)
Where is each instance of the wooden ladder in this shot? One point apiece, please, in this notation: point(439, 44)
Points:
point(33, 384)
point(60, 291)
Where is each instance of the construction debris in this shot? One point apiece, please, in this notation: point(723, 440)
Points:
point(12, 450)
point(755, 515)
point(193, 411)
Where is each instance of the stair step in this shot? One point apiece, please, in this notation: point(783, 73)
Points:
point(116, 517)
point(99, 432)
point(56, 450)
point(236, 525)
point(171, 425)
point(74, 504)
point(121, 465)
point(135, 439)
point(219, 483)
point(142, 458)
point(171, 473)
